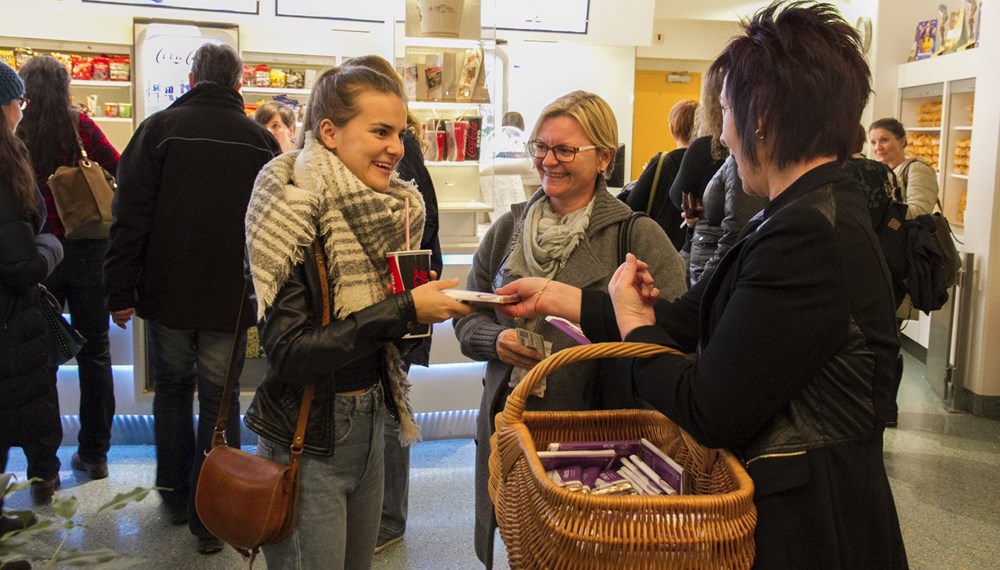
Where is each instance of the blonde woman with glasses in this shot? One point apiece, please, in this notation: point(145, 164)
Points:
point(567, 232)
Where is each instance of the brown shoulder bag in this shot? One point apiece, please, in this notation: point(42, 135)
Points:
point(244, 499)
point(83, 195)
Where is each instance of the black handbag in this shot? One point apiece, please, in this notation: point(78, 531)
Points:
point(63, 342)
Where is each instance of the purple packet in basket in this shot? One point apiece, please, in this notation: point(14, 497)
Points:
point(668, 469)
point(602, 458)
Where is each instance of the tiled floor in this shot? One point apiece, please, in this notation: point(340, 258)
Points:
point(944, 469)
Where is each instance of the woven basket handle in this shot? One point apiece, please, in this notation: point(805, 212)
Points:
point(514, 409)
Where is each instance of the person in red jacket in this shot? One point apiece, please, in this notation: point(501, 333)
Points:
point(50, 129)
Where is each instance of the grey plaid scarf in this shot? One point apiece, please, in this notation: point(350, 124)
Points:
point(302, 190)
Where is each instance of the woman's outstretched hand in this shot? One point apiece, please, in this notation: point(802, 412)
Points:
point(433, 306)
point(633, 295)
point(541, 297)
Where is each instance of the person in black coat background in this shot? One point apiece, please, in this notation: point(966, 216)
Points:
point(176, 260)
point(702, 160)
point(411, 167)
point(29, 408)
point(681, 125)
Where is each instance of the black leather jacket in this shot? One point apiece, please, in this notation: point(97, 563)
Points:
point(300, 352)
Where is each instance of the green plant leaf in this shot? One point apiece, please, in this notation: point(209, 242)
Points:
point(65, 507)
point(43, 526)
point(24, 516)
point(21, 552)
point(104, 559)
point(23, 544)
point(121, 500)
point(9, 487)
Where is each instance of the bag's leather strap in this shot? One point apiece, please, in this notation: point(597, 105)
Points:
point(298, 440)
point(75, 119)
point(656, 183)
point(625, 235)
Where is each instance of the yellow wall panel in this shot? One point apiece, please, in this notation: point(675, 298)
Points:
point(654, 97)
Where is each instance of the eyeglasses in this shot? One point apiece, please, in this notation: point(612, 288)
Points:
point(22, 102)
point(562, 153)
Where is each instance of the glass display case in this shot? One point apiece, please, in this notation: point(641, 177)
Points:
point(448, 62)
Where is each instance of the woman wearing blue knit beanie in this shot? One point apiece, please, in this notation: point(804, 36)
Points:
point(29, 409)
point(11, 86)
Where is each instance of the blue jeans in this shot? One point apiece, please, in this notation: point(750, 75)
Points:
point(79, 282)
point(340, 497)
point(179, 361)
point(397, 483)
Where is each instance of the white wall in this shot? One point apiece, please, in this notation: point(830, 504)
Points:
point(689, 39)
point(540, 72)
point(75, 21)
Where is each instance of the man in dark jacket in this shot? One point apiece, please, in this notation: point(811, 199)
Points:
point(176, 260)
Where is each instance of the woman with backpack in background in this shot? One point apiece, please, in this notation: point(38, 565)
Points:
point(919, 187)
point(916, 178)
point(659, 174)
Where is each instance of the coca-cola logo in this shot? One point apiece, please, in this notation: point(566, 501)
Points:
point(166, 55)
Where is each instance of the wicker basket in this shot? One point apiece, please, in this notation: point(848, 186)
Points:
point(545, 526)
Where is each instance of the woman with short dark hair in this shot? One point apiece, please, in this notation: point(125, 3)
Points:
point(793, 336)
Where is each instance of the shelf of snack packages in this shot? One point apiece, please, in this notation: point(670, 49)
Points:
point(925, 118)
point(289, 84)
point(961, 145)
point(100, 85)
point(87, 71)
point(446, 88)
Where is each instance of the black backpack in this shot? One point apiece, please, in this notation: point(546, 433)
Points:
point(887, 210)
point(933, 260)
point(920, 253)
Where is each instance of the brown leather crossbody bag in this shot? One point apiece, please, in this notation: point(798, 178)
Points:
point(244, 499)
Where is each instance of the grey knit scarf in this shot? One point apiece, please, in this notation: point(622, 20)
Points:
point(547, 240)
point(302, 190)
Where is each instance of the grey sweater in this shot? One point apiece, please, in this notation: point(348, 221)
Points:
point(581, 385)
